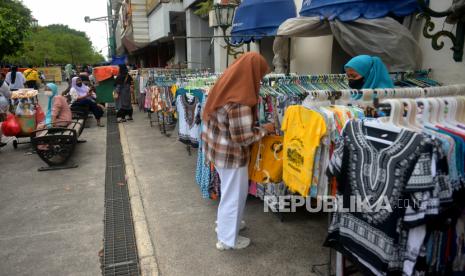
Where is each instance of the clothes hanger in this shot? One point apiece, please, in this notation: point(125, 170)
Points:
point(424, 119)
point(451, 109)
point(409, 121)
point(389, 124)
point(460, 115)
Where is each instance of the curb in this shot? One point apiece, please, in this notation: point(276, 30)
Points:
point(147, 261)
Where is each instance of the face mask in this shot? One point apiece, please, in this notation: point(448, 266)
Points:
point(79, 84)
point(48, 93)
point(356, 84)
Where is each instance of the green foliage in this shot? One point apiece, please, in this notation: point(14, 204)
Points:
point(57, 44)
point(15, 24)
point(203, 8)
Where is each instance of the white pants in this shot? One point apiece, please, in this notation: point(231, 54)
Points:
point(234, 190)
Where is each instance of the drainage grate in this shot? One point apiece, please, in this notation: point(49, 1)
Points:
point(119, 242)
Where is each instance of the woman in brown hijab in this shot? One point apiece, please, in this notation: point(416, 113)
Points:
point(229, 129)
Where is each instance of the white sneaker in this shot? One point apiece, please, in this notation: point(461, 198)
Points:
point(241, 227)
point(241, 243)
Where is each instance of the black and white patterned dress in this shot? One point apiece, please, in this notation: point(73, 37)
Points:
point(392, 175)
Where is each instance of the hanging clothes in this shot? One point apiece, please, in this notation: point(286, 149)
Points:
point(203, 172)
point(189, 128)
point(379, 175)
point(303, 130)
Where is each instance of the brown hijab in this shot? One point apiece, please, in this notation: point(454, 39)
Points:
point(240, 83)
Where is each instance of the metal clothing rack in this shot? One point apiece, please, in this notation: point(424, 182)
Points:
point(165, 77)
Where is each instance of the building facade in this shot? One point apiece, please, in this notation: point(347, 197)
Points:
point(168, 33)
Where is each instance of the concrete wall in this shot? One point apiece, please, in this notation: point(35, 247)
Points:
point(159, 20)
point(266, 50)
point(311, 55)
point(199, 54)
point(180, 51)
point(118, 35)
point(187, 3)
point(219, 51)
point(445, 69)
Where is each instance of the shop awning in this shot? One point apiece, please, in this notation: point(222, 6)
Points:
point(350, 10)
point(255, 19)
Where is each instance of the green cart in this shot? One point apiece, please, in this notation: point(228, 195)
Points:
point(104, 90)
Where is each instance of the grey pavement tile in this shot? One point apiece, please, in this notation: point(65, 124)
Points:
point(51, 222)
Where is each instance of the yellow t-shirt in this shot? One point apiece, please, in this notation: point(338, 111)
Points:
point(31, 75)
point(303, 129)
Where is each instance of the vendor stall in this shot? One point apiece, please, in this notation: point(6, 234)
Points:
point(105, 83)
point(25, 112)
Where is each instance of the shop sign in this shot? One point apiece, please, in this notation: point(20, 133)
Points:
point(52, 74)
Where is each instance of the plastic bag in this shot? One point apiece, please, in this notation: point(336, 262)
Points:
point(11, 126)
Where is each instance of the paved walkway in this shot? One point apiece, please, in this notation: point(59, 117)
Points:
point(181, 223)
point(51, 222)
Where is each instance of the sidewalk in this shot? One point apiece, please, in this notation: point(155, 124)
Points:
point(181, 224)
point(51, 222)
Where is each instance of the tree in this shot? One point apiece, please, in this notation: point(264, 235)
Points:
point(15, 24)
point(57, 44)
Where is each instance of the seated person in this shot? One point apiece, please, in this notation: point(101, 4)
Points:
point(84, 76)
point(94, 97)
point(58, 111)
point(81, 96)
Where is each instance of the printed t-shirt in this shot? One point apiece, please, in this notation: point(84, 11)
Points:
point(303, 129)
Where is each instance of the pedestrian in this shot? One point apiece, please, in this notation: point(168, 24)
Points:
point(122, 94)
point(32, 77)
point(229, 130)
point(81, 96)
point(5, 95)
point(69, 72)
point(15, 79)
point(367, 72)
point(84, 75)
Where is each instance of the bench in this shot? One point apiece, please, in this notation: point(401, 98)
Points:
point(80, 112)
point(55, 145)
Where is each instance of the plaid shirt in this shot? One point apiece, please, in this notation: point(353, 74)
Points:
point(228, 135)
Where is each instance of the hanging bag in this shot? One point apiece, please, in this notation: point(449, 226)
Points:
point(266, 164)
